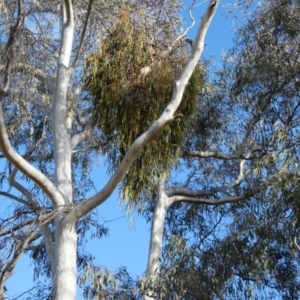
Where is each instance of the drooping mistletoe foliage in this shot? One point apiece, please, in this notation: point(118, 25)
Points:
point(131, 78)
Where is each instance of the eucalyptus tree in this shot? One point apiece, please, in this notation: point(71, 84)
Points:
point(48, 136)
point(229, 210)
point(242, 146)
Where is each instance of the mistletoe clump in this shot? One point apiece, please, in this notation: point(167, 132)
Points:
point(131, 78)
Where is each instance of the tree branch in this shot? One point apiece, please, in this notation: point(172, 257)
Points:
point(61, 138)
point(214, 202)
point(76, 139)
point(27, 169)
point(187, 30)
point(171, 192)
point(218, 155)
point(8, 49)
point(35, 247)
point(38, 103)
point(15, 198)
point(22, 189)
point(252, 122)
point(19, 249)
point(48, 242)
point(15, 228)
point(295, 241)
point(255, 118)
point(211, 154)
point(239, 178)
point(83, 33)
point(192, 193)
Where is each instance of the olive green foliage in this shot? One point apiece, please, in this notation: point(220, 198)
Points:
point(131, 78)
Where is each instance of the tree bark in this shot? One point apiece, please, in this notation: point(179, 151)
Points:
point(157, 231)
point(65, 278)
point(64, 286)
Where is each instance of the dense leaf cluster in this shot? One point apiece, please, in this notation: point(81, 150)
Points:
point(132, 77)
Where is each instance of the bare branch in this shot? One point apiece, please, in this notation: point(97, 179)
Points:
point(171, 192)
point(295, 241)
point(188, 29)
point(212, 154)
point(214, 202)
point(239, 178)
point(48, 243)
point(17, 227)
point(86, 133)
point(22, 189)
point(83, 32)
point(218, 155)
point(15, 198)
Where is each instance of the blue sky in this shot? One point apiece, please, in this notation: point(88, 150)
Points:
point(127, 245)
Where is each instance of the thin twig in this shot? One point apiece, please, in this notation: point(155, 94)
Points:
point(83, 32)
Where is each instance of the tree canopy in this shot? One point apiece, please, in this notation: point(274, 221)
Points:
point(208, 156)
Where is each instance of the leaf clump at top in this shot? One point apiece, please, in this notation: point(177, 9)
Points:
point(131, 78)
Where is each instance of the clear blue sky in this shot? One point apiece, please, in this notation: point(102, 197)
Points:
point(128, 245)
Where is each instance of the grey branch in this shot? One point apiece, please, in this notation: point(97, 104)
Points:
point(218, 155)
point(83, 32)
point(15, 198)
point(182, 192)
point(22, 189)
point(232, 199)
point(85, 134)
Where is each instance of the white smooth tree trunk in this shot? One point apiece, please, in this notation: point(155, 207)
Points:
point(65, 277)
point(65, 259)
point(157, 231)
point(156, 239)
